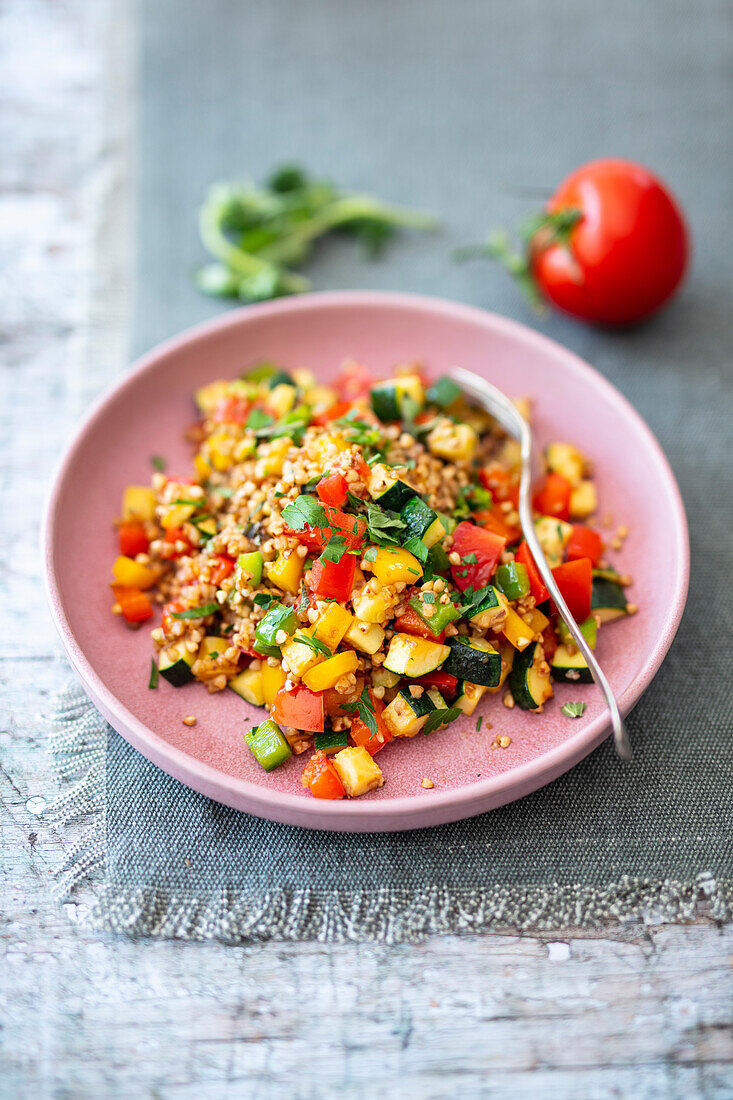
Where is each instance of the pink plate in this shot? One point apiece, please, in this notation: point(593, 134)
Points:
point(146, 413)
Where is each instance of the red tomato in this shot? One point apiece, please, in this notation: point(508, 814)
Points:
point(443, 681)
point(354, 381)
point(584, 543)
point(231, 410)
point(501, 483)
point(135, 604)
point(167, 620)
point(409, 622)
point(479, 550)
point(537, 586)
point(553, 496)
point(575, 579)
point(133, 539)
point(177, 534)
point(494, 521)
point(333, 580)
point(332, 489)
point(302, 709)
point(353, 529)
point(625, 256)
point(224, 569)
point(321, 778)
point(334, 413)
point(362, 735)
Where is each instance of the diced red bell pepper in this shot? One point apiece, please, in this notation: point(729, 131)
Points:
point(334, 413)
point(494, 521)
point(479, 551)
point(575, 580)
point(232, 410)
point(333, 701)
point(353, 381)
point(224, 569)
point(537, 586)
point(362, 735)
point(177, 534)
point(553, 496)
point(135, 604)
point(352, 528)
point(167, 620)
point(584, 543)
point(133, 538)
point(302, 709)
point(333, 580)
point(549, 643)
point(321, 778)
point(409, 622)
point(443, 681)
point(332, 489)
point(501, 483)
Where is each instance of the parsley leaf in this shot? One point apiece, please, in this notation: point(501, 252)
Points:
point(264, 599)
point(365, 709)
point(479, 720)
point(196, 612)
point(153, 681)
point(573, 710)
point(305, 511)
point(474, 597)
point(334, 549)
point(158, 463)
point(384, 527)
point(443, 392)
point(258, 419)
point(443, 716)
point(370, 554)
point(417, 547)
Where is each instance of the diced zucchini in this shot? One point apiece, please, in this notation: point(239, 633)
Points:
point(407, 714)
point(438, 561)
point(442, 613)
point(277, 618)
point(269, 746)
point(589, 630)
point(411, 656)
point(374, 604)
point(357, 771)
point(528, 685)
point(280, 399)
point(553, 535)
point(564, 459)
point(366, 637)
point(206, 527)
point(382, 677)
point(249, 568)
point(469, 696)
point(506, 651)
point(330, 740)
point(299, 655)
point(175, 664)
point(398, 397)
point(212, 646)
point(568, 663)
point(422, 522)
point(583, 500)
point(476, 661)
point(388, 491)
point(280, 378)
point(453, 442)
point(607, 600)
point(248, 684)
point(488, 610)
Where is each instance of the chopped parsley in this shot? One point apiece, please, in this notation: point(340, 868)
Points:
point(443, 392)
point(158, 463)
point(305, 511)
point(479, 720)
point(573, 710)
point(474, 597)
point(153, 681)
point(334, 549)
point(258, 419)
point(196, 612)
point(443, 716)
point(265, 599)
point(384, 528)
point(417, 547)
point(313, 643)
point(365, 709)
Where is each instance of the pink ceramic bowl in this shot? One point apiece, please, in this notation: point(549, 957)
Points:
point(145, 415)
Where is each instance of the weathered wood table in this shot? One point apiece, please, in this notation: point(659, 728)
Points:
point(643, 1011)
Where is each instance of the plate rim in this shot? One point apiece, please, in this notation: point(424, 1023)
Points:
point(390, 813)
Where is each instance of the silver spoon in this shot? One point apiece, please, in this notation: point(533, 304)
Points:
point(501, 408)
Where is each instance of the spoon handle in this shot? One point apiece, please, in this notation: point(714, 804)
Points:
point(502, 409)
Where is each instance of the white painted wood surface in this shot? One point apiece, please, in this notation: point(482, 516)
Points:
point(643, 1012)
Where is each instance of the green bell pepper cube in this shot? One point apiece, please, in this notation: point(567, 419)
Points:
point(443, 613)
point(513, 580)
point(269, 747)
point(277, 618)
point(588, 628)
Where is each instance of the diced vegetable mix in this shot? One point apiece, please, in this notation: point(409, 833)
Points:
point(350, 558)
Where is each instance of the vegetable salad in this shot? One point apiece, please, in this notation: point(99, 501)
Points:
point(350, 558)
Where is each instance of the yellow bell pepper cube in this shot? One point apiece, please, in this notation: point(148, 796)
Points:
point(273, 678)
point(272, 458)
point(138, 502)
point(535, 620)
point(220, 448)
point(583, 500)
point(176, 515)
point(208, 397)
point(375, 604)
point(280, 400)
point(212, 647)
point(248, 685)
point(392, 566)
point(328, 673)
point(357, 770)
point(285, 571)
point(332, 625)
point(515, 630)
point(132, 574)
point(367, 637)
point(202, 467)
